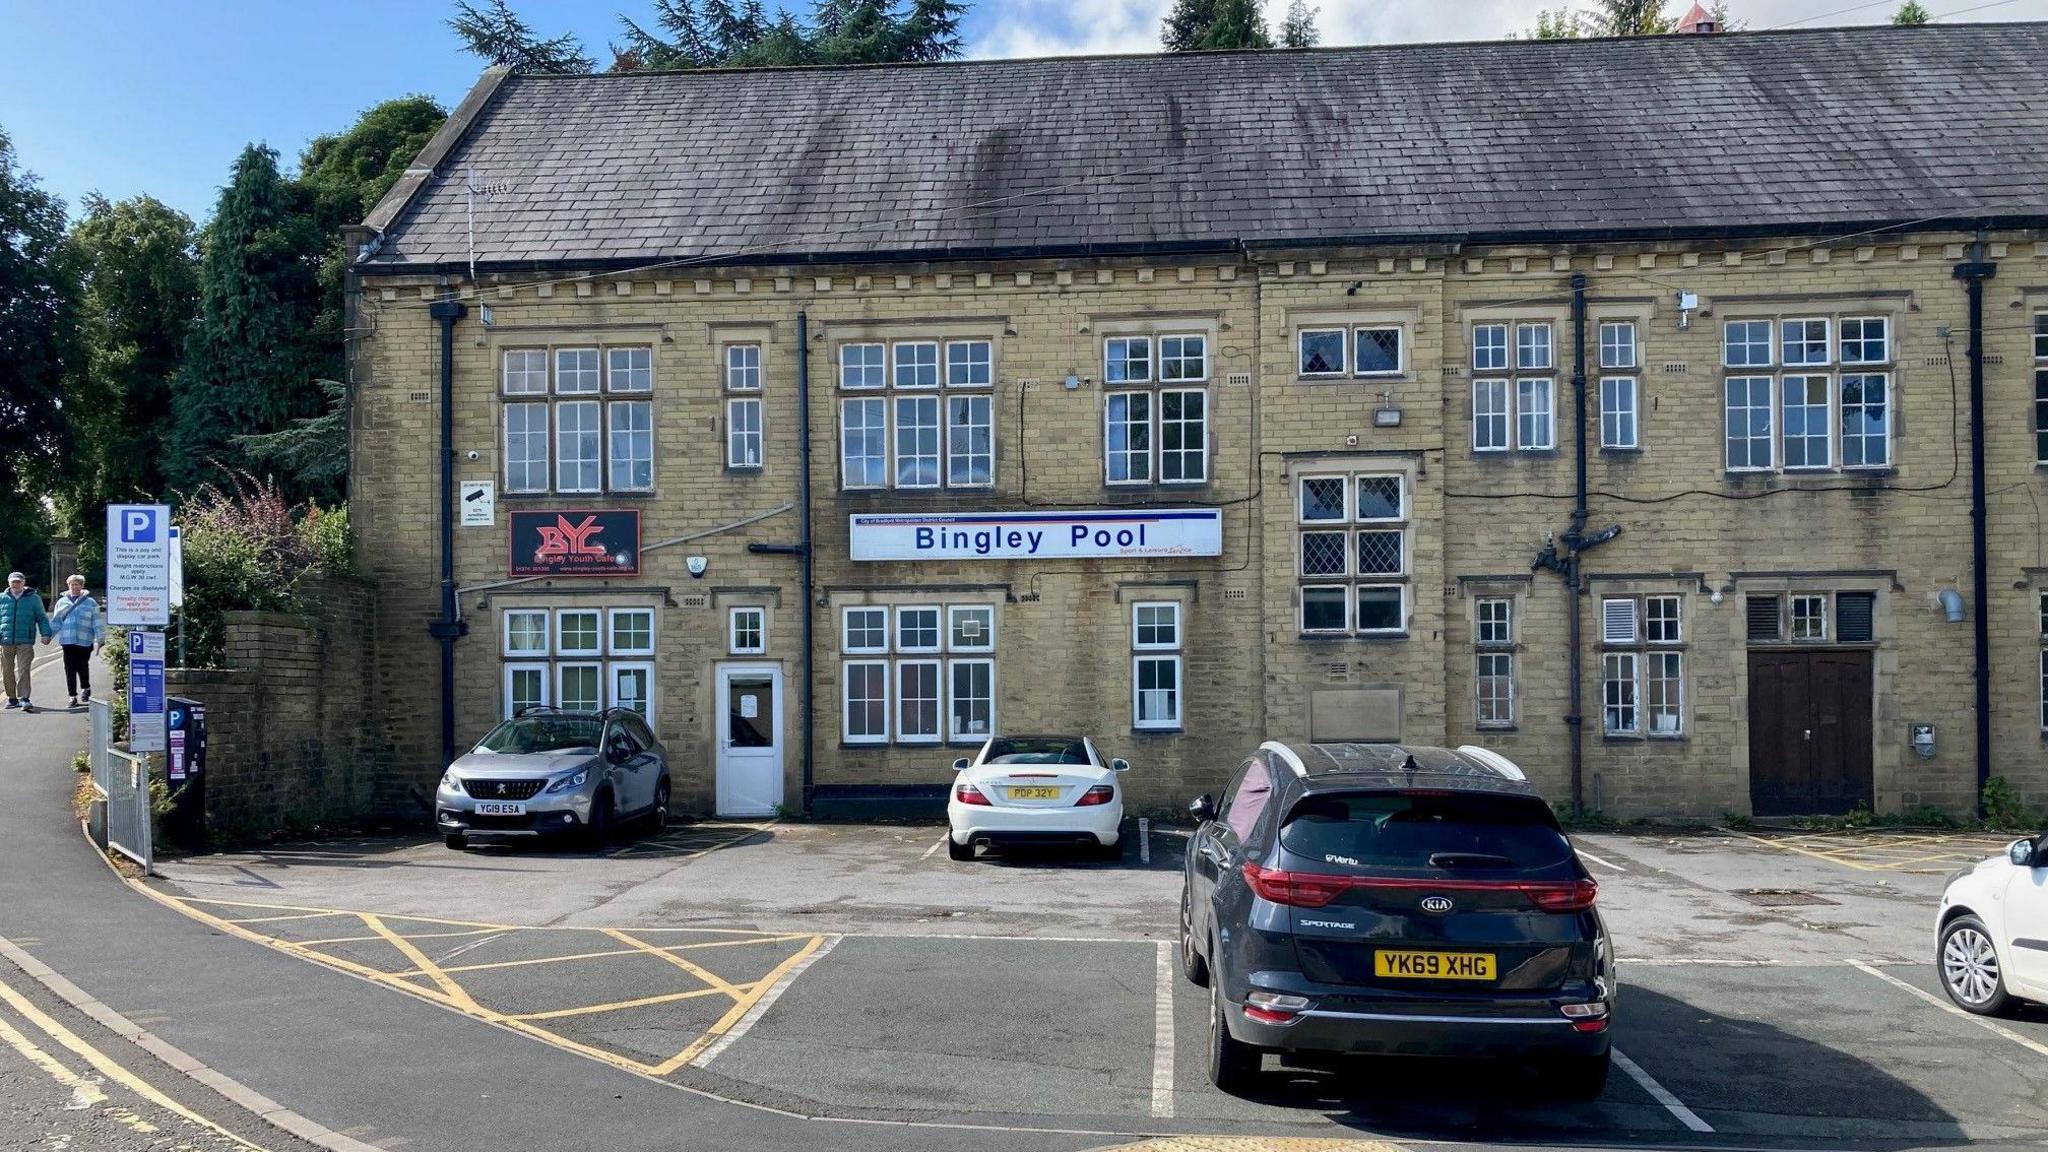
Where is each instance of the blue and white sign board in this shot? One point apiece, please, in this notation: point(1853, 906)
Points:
point(139, 565)
point(145, 691)
point(177, 567)
point(1105, 534)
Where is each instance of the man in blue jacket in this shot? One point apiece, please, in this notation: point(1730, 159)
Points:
point(22, 621)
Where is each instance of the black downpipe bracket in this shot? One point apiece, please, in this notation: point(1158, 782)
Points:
point(449, 626)
point(1973, 273)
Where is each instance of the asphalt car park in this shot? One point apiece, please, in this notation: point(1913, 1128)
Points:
point(1769, 997)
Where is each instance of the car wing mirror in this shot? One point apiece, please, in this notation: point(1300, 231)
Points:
point(960, 765)
point(1119, 765)
point(2021, 852)
point(1204, 807)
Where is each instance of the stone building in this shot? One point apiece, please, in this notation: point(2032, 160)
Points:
point(1186, 401)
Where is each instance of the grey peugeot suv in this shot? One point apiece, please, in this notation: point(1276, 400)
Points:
point(1394, 900)
point(549, 772)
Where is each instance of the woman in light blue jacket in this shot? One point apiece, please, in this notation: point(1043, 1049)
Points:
point(81, 627)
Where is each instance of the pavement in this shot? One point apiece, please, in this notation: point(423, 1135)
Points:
point(777, 985)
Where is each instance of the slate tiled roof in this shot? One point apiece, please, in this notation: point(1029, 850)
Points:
point(1675, 135)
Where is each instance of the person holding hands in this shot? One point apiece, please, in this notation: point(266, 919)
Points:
point(81, 628)
point(22, 621)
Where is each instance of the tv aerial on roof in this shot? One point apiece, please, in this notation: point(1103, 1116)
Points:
point(474, 190)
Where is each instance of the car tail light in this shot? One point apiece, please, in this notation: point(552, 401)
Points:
point(1586, 1017)
point(969, 794)
point(1100, 794)
point(1315, 889)
point(1563, 896)
point(1274, 1007)
point(1295, 889)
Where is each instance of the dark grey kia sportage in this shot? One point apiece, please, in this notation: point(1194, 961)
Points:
point(1395, 900)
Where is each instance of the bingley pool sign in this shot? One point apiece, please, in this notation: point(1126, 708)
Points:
point(1102, 534)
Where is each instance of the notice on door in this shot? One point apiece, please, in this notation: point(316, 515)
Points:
point(750, 707)
point(1105, 534)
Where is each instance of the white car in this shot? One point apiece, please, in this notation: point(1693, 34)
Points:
point(1035, 790)
point(1993, 930)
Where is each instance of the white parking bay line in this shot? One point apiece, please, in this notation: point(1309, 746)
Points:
point(943, 840)
point(1162, 1034)
point(761, 1006)
point(2034, 1046)
point(1661, 1094)
point(1603, 863)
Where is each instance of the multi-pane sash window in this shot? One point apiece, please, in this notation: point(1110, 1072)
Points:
point(1620, 411)
point(1621, 709)
point(572, 422)
point(1516, 410)
point(1161, 435)
point(2041, 387)
point(1156, 665)
point(1493, 634)
point(1363, 350)
point(1643, 667)
point(1352, 553)
point(747, 631)
point(1807, 418)
point(910, 674)
point(581, 659)
point(1810, 618)
point(938, 427)
point(1184, 357)
point(2044, 661)
point(743, 406)
point(743, 367)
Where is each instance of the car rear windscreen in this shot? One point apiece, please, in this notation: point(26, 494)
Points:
point(1437, 831)
point(1025, 750)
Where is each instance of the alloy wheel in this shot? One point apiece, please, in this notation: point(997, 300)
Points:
point(1970, 966)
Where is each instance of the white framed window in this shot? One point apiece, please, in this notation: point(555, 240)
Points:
point(970, 441)
point(1155, 691)
point(917, 701)
point(743, 367)
point(576, 371)
point(632, 687)
point(1381, 499)
point(1324, 499)
point(917, 364)
point(1322, 351)
point(1490, 416)
point(1381, 552)
point(632, 632)
point(1127, 359)
point(526, 687)
point(1664, 692)
point(579, 687)
point(1127, 432)
point(526, 447)
point(1325, 608)
point(1810, 619)
point(747, 630)
point(864, 630)
point(1351, 551)
point(1618, 412)
point(864, 706)
point(1494, 681)
point(2041, 387)
point(525, 372)
point(1618, 344)
point(1183, 436)
point(971, 699)
point(970, 628)
point(1493, 621)
point(629, 369)
point(1866, 340)
point(1663, 619)
point(917, 629)
point(1807, 416)
point(864, 443)
point(1532, 347)
point(1382, 609)
point(1747, 406)
point(2044, 689)
point(1184, 357)
point(579, 632)
point(526, 632)
point(863, 366)
point(970, 364)
point(632, 444)
point(1535, 414)
point(1489, 347)
point(917, 439)
point(577, 446)
point(1381, 350)
point(1746, 344)
point(1155, 625)
point(1866, 426)
point(1621, 714)
point(1804, 343)
point(743, 432)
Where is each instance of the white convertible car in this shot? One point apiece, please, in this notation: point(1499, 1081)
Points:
point(1035, 790)
point(1992, 931)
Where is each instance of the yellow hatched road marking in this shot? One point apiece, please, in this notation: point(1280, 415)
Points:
point(618, 1005)
point(294, 916)
point(108, 1067)
point(739, 1009)
point(704, 974)
point(613, 952)
point(456, 993)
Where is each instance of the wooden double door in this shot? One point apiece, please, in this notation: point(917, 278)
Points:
point(1810, 747)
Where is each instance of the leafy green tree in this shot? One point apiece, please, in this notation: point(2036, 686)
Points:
point(1299, 29)
point(1605, 18)
point(495, 33)
point(38, 316)
point(139, 265)
point(252, 359)
point(1212, 25)
point(721, 34)
point(350, 171)
point(1911, 14)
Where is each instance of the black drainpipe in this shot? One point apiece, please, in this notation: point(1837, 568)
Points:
point(449, 626)
point(1973, 273)
point(1574, 718)
point(802, 548)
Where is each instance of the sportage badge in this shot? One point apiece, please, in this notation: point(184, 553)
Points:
point(1437, 904)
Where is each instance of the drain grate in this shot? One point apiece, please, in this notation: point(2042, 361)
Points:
point(1782, 897)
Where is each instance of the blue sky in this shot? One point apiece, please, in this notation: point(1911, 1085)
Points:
point(130, 96)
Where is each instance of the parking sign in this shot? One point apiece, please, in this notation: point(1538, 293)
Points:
point(146, 692)
point(139, 565)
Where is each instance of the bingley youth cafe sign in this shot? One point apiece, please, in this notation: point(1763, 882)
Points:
point(1105, 534)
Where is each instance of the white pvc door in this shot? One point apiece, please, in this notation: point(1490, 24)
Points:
point(749, 709)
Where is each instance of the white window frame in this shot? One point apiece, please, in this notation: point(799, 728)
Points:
point(919, 403)
point(953, 732)
point(901, 732)
point(957, 610)
point(1527, 387)
point(597, 633)
point(1749, 344)
point(1493, 409)
point(1654, 612)
point(1617, 352)
point(1400, 625)
point(1116, 351)
point(1400, 367)
point(1197, 457)
point(1356, 506)
point(938, 628)
point(562, 670)
point(745, 439)
point(982, 366)
point(630, 456)
point(527, 667)
point(1769, 439)
point(1648, 712)
point(1807, 440)
point(1799, 353)
point(1492, 355)
point(734, 630)
point(846, 644)
point(611, 631)
point(1197, 359)
point(611, 685)
point(924, 375)
point(1343, 483)
point(1301, 336)
point(1620, 423)
point(846, 701)
point(1842, 410)
point(523, 458)
point(1481, 625)
point(1815, 600)
point(847, 429)
point(1863, 339)
point(1540, 346)
point(2041, 389)
point(532, 373)
point(547, 633)
point(594, 373)
point(973, 402)
point(1176, 695)
point(1138, 610)
point(1633, 680)
point(857, 374)
point(1357, 557)
point(1148, 422)
point(595, 441)
point(743, 366)
point(1344, 595)
point(1503, 658)
point(638, 378)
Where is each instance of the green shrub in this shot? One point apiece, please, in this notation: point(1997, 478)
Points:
point(246, 550)
point(2005, 811)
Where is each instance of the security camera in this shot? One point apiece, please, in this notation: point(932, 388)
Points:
point(475, 455)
